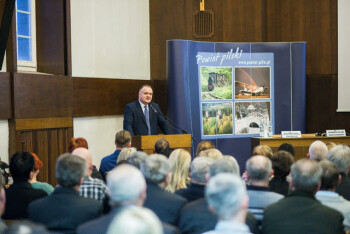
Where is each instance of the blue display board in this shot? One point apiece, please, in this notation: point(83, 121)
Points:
point(224, 92)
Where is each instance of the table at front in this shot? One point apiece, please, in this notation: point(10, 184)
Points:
point(301, 145)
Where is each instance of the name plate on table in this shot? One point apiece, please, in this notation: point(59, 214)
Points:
point(335, 133)
point(291, 134)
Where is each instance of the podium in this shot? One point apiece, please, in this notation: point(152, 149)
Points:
point(301, 145)
point(146, 143)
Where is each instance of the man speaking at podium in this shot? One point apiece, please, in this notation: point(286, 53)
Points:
point(143, 117)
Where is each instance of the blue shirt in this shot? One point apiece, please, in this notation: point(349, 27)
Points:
point(109, 162)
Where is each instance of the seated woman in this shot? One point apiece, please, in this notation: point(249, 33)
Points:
point(281, 164)
point(33, 177)
point(180, 161)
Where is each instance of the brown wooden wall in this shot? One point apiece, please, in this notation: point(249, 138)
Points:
point(313, 21)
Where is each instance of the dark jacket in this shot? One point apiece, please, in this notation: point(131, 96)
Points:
point(192, 192)
point(18, 197)
point(135, 121)
point(343, 188)
point(165, 205)
point(64, 210)
point(300, 212)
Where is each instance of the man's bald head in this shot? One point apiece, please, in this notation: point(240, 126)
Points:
point(259, 168)
point(86, 156)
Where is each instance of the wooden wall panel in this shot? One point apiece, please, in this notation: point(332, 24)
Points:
point(98, 97)
point(42, 96)
point(5, 96)
point(304, 20)
point(321, 105)
point(244, 21)
point(215, 6)
point(51, 36)
point(167, 21)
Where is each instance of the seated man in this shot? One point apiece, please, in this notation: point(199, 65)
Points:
point(327, 195)
point(199, 170)
point(166, 205)
point(127, 187)
point(318, 151)
point(64, 209)
point(299, 211)
point(21, 193)
point(162, 146)
point(90, 188)
point(195, 216)
point(122, 139)
point(227, 197)
point(259, 171)
point(340, 157)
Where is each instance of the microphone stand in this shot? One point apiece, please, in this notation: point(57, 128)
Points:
point(174, 124)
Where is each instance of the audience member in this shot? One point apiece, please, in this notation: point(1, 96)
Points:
point(179, 161)
point(211, 153)
point(64, 210)
point(287, 147)
point(125, 153)
point(127, 187)
point(81, 142)
point(231, 161)
point(204, 145)
point(327, 195)
point(166, 205)
point(25, 227)
point(195, 216)
point(90, 188)
point(281, 164)
point(300, 212)
point(122, 139)
point(259, 171)
point(136, 159)
point(21, 193)
point(162, 146)
point(227, 197)
point(199, 171)
point(33, 177)
point(263, 150)
point(2, 208)
point(330, 145)
point(340, 157)
point(318, 151)
point(136, 220)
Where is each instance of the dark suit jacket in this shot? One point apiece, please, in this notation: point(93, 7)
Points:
point(101, 224)
point(196, 218)
point(165, 205)
point(279, 185)
point(18, 197)
point(300, 212)
point(343, 188)
point(135, 121)
point(64, 210)
point(192, 192)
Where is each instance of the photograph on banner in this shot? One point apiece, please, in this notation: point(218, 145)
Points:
point(217, 118)
point(251, 115)
point(252, 82)
point(216, 83)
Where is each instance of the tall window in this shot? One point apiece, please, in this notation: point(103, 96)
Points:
point(25, 31)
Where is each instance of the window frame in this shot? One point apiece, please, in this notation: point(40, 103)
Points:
point(22, 65)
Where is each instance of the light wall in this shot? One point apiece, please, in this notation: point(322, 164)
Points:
point(110, 39)
point(4, 142)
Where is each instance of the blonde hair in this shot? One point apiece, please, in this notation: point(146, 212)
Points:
point(211, 153)
point(330, 145)
point(125, 153)
point(263, 150)
point(180, 161)
point(204, 145)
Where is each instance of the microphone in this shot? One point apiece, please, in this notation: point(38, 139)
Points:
point(174, 124)
point(3, 165)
